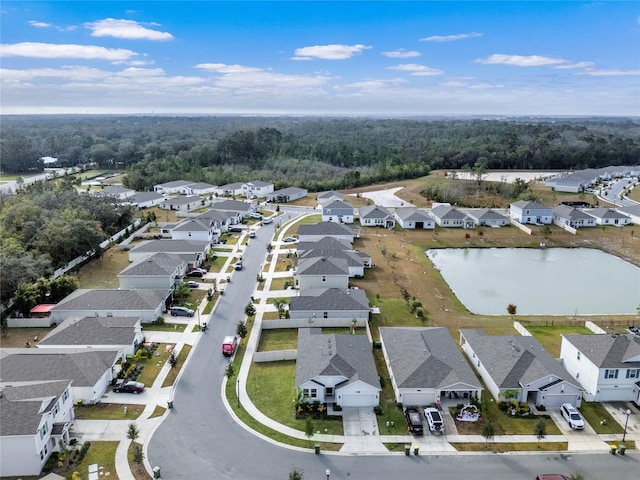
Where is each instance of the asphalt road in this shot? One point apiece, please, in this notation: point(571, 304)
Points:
point(200, 440)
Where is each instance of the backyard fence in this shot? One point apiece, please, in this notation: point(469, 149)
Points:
point(275, 356)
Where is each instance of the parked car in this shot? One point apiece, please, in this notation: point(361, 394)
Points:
point(192, 284)
point(196, 272)
point(256, 215)
point(229, 345)
point(571, 415)
point(414, 421)
point(289, 239)
point(235, 229)
point(128, 386)
point(252, 234)
point(434, 420)
point(238, 265)
point(267, 220)
point(181, 312)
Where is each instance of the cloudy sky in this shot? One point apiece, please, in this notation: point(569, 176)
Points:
point(294, 57)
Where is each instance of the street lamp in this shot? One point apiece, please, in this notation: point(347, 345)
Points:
point(328, 473)
point(628, 412)
point(238, 391)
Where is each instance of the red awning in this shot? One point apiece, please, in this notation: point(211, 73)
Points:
point(43, 308)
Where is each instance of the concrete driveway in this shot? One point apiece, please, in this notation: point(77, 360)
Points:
point(361, 431)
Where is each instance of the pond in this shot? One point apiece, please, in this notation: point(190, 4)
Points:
point(552, 281)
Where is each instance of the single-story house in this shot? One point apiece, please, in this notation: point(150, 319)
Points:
point(146, 199)
point(199, 188)
point(145, 304)
point(183, 204)
point(376, 216)
point(607, 366)
point(121, 193)
point(230, 189)
point(34, 417)
point(220, 219)
point(286, 195)
point(518, 367)
point(316, 231)
point(89, 371)
point(355, 262)
point(322, 272)
point(530, 212)
point(193, 251)
point(160, 271)
point(336, 369)
point(426, 366)
point(257, 189)
point(330, 247)
point(337, 211)
point(410, 217)
point(328, 197)
point(234, 206)
point(313, 304)
point(633, 212)
point(448, 216)
point(123, 334)
point(609, 216)
point(486, 217)
point(172, 187)
point(566, 216)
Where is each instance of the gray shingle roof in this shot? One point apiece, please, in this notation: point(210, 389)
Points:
point(330, 194)
point(426, 357)
point(325, 228)
point(604, 212)
point(352, 258)
point(608, 351)
point(338, 204)
point(259, 183)
point(171, 246)
point(158, 264)
point(231, 205)
point(328, 244)
point(485, 214)
point(529, 205)
point(83, 367)
point(565, 211)
point(373, 211)
point(192, 225)
point(410, 213)
point(141, 197)
point(182, 200)
point(514, 360)
point(115, 300)
point(93, 331)
point(288, 191)
point(341, 355)
point(201, 186)
point(322, 266)
point(330, 299)
point(447, 212)
point(21, 406)
point(175, 184)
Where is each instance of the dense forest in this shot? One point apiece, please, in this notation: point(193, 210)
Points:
point(315, 153)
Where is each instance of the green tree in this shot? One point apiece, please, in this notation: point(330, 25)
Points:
point(173, 359)
point(546, 232)
point(488, 431)
point(241, 330)
point(296, 474)
point(133, 432)
point(279, 303)
point(512, 310)
point(540, 429)
point(138, 454)
point(309, 428)
point(249, 310)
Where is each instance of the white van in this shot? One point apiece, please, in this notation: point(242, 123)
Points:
point(572, 416)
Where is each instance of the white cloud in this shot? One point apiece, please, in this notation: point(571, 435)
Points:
point(610, 73)
point(224, 68)
point(329, 52)
point(575, 65)
point(55, 50)
point(129, 29)
point(416, 70)
point(401, 53)
point(522, 60)
point(241, 76)
point(450, 38)
point(35, 23)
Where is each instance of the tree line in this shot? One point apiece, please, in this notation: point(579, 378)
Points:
point(313, 153)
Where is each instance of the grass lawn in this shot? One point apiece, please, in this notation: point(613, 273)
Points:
point(103, 272)
point(285, 262)
point(216, 264)
point(279, 283)
point(152, 366)
point(158, 412)
point(510, 447)
point(270, 316)
point(102, 453)
point(595, 413)
point(271, 387)
point(18, 337)
point(634, 194)
point(137, 469)
point(550, 337)
point(390, 411)
point(173, 373)
point(165, 327)
point(278, 339)
point(109, 411)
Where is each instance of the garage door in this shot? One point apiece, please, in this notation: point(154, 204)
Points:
point(418, 398)
point(358, 400)
point(610, 394)
point(555, 401)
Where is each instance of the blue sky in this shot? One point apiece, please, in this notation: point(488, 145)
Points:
point(337, 58)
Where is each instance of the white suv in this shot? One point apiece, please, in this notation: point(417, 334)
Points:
point(572, 416)
point(434, 419)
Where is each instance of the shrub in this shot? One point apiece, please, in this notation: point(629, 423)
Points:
point(160, 320)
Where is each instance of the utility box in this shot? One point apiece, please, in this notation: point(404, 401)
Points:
point(156, 472)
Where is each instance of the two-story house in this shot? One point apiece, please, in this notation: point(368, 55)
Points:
point(528, 211)
point(337, 211)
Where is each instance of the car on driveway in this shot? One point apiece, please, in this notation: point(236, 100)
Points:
point(256, 215)
point(267, 220)
point(196, 272)
point(181, 312)
point(192, 284)
point(128, 386)
point(289, 239)
point(235, 229)
point(434, 420)
point(571, 415)
point(414, 421)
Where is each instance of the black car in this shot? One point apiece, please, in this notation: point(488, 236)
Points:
point(128, 386)
point(414, 421)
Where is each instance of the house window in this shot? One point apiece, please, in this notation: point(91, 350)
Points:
point(324, 278)
point(42, 455)
point(314, 393)
point(43, 430)
point(633, 372)
point(578, 356)
point(65, 396)
point(109, 314)
point(329, 391)
point(305, 393)
point(611, 373)
point(55, 410)
point(325, 314)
